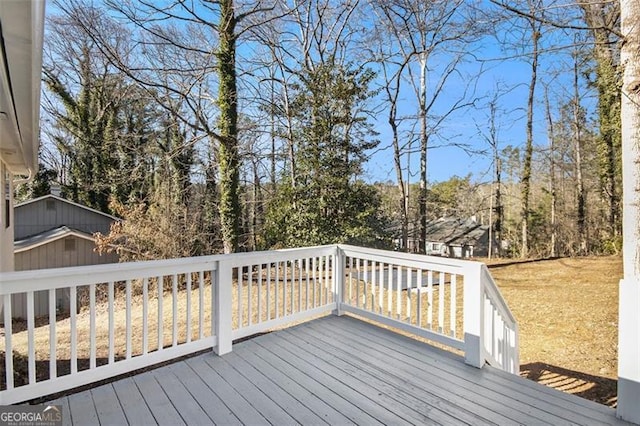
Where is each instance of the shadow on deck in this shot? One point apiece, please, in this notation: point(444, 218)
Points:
point(595, 388)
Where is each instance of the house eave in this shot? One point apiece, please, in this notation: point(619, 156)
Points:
point(21, 36)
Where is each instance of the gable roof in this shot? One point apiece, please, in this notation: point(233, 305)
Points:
point(47, 237)
point(448, 229)
point(64, 200)
point(471, 237)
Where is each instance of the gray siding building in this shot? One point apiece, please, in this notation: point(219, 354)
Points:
point(51, 232)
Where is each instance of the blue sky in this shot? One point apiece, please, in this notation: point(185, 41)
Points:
point(511, 72)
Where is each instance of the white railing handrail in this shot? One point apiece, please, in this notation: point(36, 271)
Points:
point(45, 279)
point(490, 287)
point(443, 264)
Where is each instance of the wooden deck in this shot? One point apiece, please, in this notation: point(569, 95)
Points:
point(334, 370)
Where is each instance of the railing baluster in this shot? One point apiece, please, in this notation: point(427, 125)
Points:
point(300, 280)
point(30, 337)
point(327, 280)
point(8, 333)
point(74, 328)
point(277, 290)
point(358, 275)
point(390, 289)
point(249, 295)
point(239, 272)
point(293, 280)
point(160, 313)
point(112, 325)
point(145, 316)
point(53, 357)
point(92, 326)
point(419, 302)
point(430, 300)
point(174, 310)
point(268, 291)
point(214, 279)
point(398, 290)
point(188, 287)
point(315, 280)
point(452, 306)
point(380, 274)
point(260, 292)
point(409, 288)
point(365, 296)
point(201, 303)
point(307, 266)
point(373, 286)
point(441, 307)
point(284, 288)
point(128, 319)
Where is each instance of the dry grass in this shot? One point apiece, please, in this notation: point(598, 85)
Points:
point(567, 311)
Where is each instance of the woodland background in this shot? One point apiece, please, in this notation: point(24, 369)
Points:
point(222, 126)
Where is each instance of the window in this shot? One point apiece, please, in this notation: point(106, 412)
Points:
point(435, 246)
point(51, 205)
point(69, 244)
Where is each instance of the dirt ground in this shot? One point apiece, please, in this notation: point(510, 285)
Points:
point(567, 311)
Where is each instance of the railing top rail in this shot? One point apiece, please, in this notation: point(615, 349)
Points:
point(43, 279)
point(453, 265)
point(497, 298)
point(259, 257)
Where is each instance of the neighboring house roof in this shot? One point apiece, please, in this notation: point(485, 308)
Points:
point(49, 236)
point(51, 196)
point(471, 237)
point(448, 229)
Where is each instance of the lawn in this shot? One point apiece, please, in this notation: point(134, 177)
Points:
point(567, 311)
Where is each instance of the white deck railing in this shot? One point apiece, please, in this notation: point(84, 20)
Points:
point(124, 317)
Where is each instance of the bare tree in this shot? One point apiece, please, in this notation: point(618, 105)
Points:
point(421, 34)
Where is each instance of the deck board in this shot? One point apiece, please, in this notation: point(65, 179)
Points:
point(560, 404)
point(460, 388)
point(158, 402)
point(132, 402)
point(107, 405)
point(333, 370)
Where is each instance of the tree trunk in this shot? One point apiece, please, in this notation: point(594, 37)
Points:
point(228, 152)
point(526, 169)
point(607, 83)
point(629, 314)
point(553, 252)
point(581, 217)
point(424, 140)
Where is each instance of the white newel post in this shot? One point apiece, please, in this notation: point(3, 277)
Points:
point(473, 315)
point(222, 291)
point(338, 279)
point(629, 312)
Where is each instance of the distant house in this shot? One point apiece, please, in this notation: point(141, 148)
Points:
point(449, 236)
point(51, 232)
point(454, 237)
